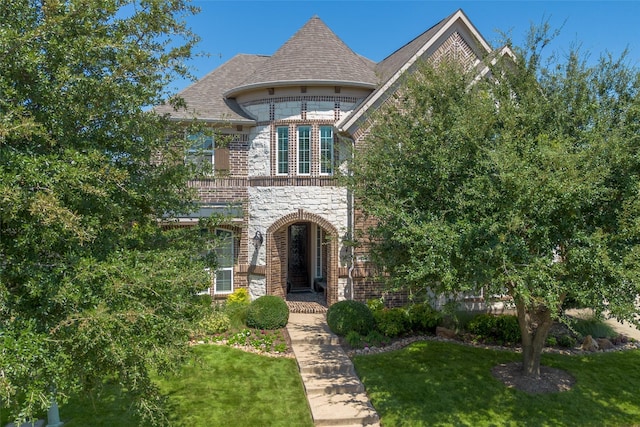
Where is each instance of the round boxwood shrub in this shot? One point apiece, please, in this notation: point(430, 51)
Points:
point(268, 312)
point(346, 316)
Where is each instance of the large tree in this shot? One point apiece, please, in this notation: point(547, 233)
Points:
point(524, 183)
point(91, 289)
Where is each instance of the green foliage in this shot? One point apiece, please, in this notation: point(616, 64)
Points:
point(268, 312)
point(423, 318)
point(392, 322)
point(349, 315)
point(503, 329)
point(400, 382)
point(216, 322)
point(458, 319)
point(375, 339)
point(566, 341)
point(354, 339)
point(234, 374)
point(526, 184)
point(239, 296)
point(594, 327)
point(375, 304)
point(85, 269)
point(237, 315)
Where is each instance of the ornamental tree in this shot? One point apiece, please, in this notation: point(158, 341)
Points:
point(91, 289)
point(525, 183)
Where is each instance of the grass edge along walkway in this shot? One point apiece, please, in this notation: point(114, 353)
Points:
point(431, 383)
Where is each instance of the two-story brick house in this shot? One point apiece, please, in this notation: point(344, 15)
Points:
point(293, 119)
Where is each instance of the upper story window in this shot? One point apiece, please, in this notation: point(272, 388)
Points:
point(304, 150)
point(326, 150)
point(283, 150)
point(201, 152)
point(205, 156)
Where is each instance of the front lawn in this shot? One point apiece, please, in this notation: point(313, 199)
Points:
point(433, 383)
point(220, 386)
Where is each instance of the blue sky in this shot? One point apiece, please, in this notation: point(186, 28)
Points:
point(375, 29)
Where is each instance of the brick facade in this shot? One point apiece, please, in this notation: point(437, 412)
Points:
point(311, 85)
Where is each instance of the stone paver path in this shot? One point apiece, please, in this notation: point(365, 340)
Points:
point(334, 392)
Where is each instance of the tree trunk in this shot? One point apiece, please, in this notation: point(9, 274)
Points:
point(535, 322)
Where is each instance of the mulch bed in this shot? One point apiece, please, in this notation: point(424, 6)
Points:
point(551, 380)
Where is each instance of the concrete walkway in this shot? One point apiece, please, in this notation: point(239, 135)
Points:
point(334, 392)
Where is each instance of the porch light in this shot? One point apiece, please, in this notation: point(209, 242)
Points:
point(257, 240)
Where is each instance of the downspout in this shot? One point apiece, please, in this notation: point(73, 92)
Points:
point(351, 217)
point(351, 233)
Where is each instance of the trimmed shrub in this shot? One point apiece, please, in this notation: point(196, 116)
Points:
point(391, 322)
point(502, 329)
point(213, 323)
point(268, 312)
point(346, 316)
point(423, 318)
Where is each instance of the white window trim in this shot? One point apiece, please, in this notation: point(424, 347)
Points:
point(320, 166)
point(278, 159)
point(229, 268)
point(215, 282)
point(298, 151)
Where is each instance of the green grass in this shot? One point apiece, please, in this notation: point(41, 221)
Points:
point(220, 386)
point(443, 384)
point(426, 384)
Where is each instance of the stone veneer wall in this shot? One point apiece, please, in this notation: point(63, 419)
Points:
point(268, 205)
point(269, 199)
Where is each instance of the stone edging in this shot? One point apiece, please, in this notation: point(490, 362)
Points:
point(401, 343)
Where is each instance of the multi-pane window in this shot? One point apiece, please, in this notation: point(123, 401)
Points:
point(201, 152)
point(326, 150)
point(223, 280)
point(283, 150)
point(313, 148)
point(304, 150)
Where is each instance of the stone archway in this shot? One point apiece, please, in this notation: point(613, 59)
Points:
point(278, 253)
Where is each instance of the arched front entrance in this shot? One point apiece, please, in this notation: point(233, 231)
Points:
point(302, 256)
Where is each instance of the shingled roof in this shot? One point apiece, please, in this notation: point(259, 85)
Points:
point(313, 55)
point(391, 68)
point(205, 98)
point(392, 63)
